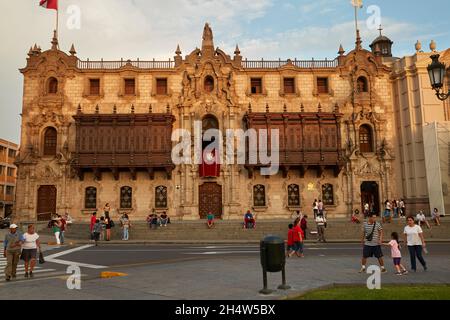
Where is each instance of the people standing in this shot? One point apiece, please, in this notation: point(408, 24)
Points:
point(402, 207)
point(106, 209)
point(93, 221)
point(126, 225)
point(298, 240)
point(103, 230)
point(12, 249)
point(63, 229)
point(98, 227)
point(321, 223)
point(366, 210)
point(436, 217)
point(315, 208)
point(321, 208)
point(30, 245)
point(397, 254)
point(304, 225)
point(109, 225)
point(415, 239)
point(387, 217)
point(57, 230)
point(372, 239)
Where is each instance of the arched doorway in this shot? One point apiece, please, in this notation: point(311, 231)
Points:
point(46, 202)
point(210, 200)
point(370, 193)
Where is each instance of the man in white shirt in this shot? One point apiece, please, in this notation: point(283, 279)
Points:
point(422, 219)
point(321, 222)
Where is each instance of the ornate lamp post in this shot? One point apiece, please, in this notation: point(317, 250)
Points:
point(436, 71)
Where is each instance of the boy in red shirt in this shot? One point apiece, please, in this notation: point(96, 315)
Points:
point(290, 241)
point(297, 237)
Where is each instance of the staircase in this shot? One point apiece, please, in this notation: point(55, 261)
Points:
point(338, 230)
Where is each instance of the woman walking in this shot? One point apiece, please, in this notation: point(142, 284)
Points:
point(416, 243)
point(30, 244)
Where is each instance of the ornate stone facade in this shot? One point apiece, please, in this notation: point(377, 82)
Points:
point(207, 82)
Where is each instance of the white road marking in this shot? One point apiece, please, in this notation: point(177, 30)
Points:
point(52, 258)
point(219, 252)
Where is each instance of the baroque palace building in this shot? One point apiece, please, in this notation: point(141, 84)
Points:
point(97, 132)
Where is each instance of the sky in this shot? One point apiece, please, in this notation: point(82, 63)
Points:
point(147, 29)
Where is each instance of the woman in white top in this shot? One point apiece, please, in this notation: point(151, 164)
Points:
point(436, 217)
point(30, 244)
point(416, 243)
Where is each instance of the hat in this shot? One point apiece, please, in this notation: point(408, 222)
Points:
point(13, 226)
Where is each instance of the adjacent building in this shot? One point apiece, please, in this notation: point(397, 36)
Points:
point(8, 172)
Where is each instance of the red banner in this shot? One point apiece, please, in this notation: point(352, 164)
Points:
point(49, 4)
point(210, 167)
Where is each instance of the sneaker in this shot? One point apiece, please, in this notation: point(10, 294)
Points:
point(26, 274)
point(363, 270)
point(383, 270)
point(399, 274)
point(405, 272)
point(425, 268)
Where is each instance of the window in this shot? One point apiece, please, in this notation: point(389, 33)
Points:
point(90, 198)
point(209, 84)
point(365, 139)
point(161, 87)
point(126, 198)
point(11, 172)
point(362, 85)
point(50, 142)
point(322, 85)
point(2, 150)
point(256, 85)
point(94, 87)
point(2, 170)
point(2, 190)
point(11, 153)
point(9, 190)
point(161, 197)
point(289, 85)
point(294, 195)
point(328, 194)
point(52, 86)
point(259, 196)
point(130, 86)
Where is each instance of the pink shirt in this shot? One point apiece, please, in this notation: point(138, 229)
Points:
point(395, 250)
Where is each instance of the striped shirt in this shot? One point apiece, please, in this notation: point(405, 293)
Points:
point(376, 234)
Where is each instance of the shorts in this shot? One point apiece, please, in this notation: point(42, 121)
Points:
point(370, 252)
point(96, 236)
point(397, 261)
point(290, 248)
point(298, 247)
point(29, 254)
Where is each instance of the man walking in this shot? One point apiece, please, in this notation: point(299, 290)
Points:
point(321, 223)
point(372, 240)
point(12, 249)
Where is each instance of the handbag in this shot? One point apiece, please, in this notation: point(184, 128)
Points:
point(41, 258)
point(370, 236)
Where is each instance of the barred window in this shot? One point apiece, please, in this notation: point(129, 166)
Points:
point(259, 196)
point(161, 197)
point(328, 194)
point(294, 195)
point(90, 198)
point(126, 198)
point(50, 142)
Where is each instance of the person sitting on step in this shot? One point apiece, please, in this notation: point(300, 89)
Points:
point(211, 222)
point(249, 220)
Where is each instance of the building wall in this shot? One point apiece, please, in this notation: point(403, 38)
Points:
point(188, 103)
point(416, 106)
point(8, 175)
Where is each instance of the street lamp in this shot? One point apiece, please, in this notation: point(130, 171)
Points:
point(436, 71)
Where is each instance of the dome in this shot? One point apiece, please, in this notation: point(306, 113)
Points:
point(382, 45)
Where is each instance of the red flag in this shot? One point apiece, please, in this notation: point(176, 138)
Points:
point(49, 4)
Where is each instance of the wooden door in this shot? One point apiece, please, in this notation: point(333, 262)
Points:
point(46, 205)
point(210, 200)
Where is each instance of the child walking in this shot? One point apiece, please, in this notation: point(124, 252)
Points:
point(290, 241)
point(97, 231)
point(396, 254)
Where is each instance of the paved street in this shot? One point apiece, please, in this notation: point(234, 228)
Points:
point(203, 272)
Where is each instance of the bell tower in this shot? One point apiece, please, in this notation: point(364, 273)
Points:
point(208, 42)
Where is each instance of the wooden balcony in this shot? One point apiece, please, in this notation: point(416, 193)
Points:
point(307, 140)
point(123, 142)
